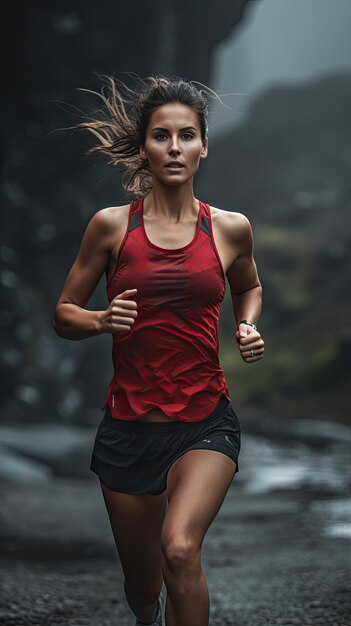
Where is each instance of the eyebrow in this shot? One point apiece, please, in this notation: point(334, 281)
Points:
point(166, 129)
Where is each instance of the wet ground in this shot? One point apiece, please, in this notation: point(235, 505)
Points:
point(278, 553)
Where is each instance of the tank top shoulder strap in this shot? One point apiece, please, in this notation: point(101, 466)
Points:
point(206, 224)
point(134, 215)
point(132, 223)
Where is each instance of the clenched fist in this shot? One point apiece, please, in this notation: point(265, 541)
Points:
point(251, 344)
point(121, 314)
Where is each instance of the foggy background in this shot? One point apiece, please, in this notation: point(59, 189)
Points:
point(280, 153)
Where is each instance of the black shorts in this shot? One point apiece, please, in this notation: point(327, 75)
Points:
point(135, 456)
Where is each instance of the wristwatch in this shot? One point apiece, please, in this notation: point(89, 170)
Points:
point(248, 324)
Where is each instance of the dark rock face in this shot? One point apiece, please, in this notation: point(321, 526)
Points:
point(50, 192)
point(52, 48)
point(55, 47)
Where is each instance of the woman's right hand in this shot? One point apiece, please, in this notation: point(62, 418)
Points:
point(72, 320)
point(121, 313)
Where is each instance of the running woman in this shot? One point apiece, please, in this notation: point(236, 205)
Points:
point(167, 447)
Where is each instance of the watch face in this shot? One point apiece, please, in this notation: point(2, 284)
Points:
point(248, 324)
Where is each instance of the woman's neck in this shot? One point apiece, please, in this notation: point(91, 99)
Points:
point(171, 203)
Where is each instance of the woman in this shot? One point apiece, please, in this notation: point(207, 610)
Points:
point(167, 447)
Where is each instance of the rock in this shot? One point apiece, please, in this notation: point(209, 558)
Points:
point(64, 450)
point(17, 468)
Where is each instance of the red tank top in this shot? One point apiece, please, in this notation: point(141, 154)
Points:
point(168, 360)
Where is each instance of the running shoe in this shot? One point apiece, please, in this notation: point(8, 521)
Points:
point(159, 620)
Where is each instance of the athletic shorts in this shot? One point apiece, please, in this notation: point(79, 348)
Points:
point(135, 456)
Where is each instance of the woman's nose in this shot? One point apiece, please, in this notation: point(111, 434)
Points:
point(174, 145)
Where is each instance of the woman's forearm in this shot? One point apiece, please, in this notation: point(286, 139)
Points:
point(74, 322)
point(248, 304)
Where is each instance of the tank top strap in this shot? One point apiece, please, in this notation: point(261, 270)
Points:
point(205, 215)
point(209, 229)
point(134, 219)
point(133, 222)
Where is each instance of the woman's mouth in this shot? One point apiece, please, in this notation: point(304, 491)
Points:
point(175, 166)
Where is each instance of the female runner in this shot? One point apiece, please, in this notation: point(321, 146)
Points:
point(166, 450)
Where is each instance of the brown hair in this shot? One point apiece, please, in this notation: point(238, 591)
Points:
point(120, 126)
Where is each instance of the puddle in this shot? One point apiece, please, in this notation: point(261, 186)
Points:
point(335, 515)
point(268, 466)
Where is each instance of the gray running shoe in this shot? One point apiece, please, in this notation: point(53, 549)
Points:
point(159, 621)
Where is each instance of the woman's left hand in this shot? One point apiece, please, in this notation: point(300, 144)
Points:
point(251, 344)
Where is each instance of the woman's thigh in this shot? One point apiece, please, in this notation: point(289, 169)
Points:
point(136, 522)
point(197, 483)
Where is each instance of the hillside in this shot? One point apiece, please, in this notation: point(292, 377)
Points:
point(287, 168)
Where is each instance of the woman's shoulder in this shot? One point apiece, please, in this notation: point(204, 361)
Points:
point(109, 219)
point(111, 214)
point(232, 224)
point(106, 226)
point(227, 215)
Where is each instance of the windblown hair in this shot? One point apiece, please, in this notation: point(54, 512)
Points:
point(120, 126)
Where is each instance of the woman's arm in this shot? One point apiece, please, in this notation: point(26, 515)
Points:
point(72, 320)
point(246, 289)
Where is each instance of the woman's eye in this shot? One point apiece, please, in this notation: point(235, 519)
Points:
point(161, 136)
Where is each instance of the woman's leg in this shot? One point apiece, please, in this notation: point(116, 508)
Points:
point(136, 522)
point(196, 485)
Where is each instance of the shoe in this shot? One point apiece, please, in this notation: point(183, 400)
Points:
point(162, 603)
point(159, 619)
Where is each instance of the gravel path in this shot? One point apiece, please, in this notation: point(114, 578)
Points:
point(274, 556)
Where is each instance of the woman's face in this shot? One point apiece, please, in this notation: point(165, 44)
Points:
point(173, 134)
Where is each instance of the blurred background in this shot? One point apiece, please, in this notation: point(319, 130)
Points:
point(280, 153)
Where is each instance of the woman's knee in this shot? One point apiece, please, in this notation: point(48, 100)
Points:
point(181, 553)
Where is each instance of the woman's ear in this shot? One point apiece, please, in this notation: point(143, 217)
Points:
point(204, 149)
point(142, 152)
